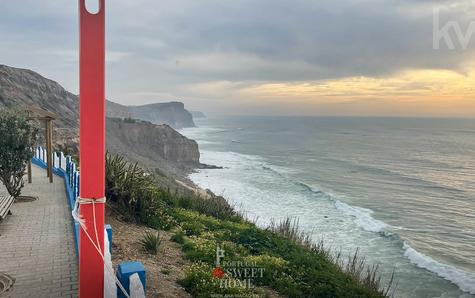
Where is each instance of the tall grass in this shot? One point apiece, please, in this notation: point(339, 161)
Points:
point(214, 206)
point(354, 265)
point(289, 228)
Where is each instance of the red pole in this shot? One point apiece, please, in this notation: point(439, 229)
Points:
point(92, 148)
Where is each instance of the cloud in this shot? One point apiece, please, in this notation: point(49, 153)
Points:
point(175, 48)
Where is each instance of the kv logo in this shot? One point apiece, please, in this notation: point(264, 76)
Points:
point(444, 33)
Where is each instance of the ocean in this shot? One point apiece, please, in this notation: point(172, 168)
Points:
point(400, 190)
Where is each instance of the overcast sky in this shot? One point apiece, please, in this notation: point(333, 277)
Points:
point(312, 57)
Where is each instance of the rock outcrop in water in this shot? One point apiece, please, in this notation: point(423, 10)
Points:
point(152, 145)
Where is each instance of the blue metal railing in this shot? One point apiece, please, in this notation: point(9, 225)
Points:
point(64, 166)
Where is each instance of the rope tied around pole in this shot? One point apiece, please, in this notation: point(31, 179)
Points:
point(82, 201)
point(85, 201)
point(96, 244)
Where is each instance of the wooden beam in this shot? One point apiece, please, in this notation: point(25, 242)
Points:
point(29, 171)
point(39, 118)
point(40, 112)
point(47, 147)
point(50, 132)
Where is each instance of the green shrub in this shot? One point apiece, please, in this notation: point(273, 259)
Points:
point(155, 213)
point(17, 140)
point(200, 282)
point(178, 237)
point(214, 206)
point(161, 221)
point(273, 268)
point(203, 249)
point(209, 223)
point(200, 249)
point(193, 228)
point(151, 242)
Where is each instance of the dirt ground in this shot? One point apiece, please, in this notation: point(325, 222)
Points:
point(163, 269)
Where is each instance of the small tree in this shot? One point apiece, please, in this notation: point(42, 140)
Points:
point(17, 138)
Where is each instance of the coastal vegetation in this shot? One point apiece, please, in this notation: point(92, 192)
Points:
point(282, 258)
point(151, 242)
point(17, 140)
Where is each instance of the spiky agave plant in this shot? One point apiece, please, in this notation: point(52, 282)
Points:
point(126, 183)
point(151, 241)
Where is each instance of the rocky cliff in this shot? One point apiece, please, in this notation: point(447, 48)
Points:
point(156, 146)
point(173, 114)
point(197, 114)
point(23, 87)
point(153, 145)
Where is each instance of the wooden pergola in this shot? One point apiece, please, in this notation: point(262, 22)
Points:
point(35, 113)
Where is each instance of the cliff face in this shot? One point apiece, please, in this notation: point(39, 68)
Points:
point(27, 88)
point(197, 114)
point(23, 88)
point(115, 110)
point(153, 145)
point(170, 113)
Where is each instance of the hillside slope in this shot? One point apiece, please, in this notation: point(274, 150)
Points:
point(151, 145)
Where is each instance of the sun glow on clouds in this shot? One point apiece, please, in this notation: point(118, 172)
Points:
point(324, 57)
point(428, 84)
point(422, 92)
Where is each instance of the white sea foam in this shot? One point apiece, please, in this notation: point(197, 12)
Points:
point(251, 166)
point(362, 217)
point(463, 279)
point(202, 142)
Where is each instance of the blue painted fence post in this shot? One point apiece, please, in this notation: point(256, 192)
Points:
point(67, 166)
point(74, 183)
point(78, 180)
point(73, 170)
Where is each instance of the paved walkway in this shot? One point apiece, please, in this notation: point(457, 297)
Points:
point(37, 245)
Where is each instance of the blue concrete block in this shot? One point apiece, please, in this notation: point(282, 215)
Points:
point(109, 235)
point(125, 270)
